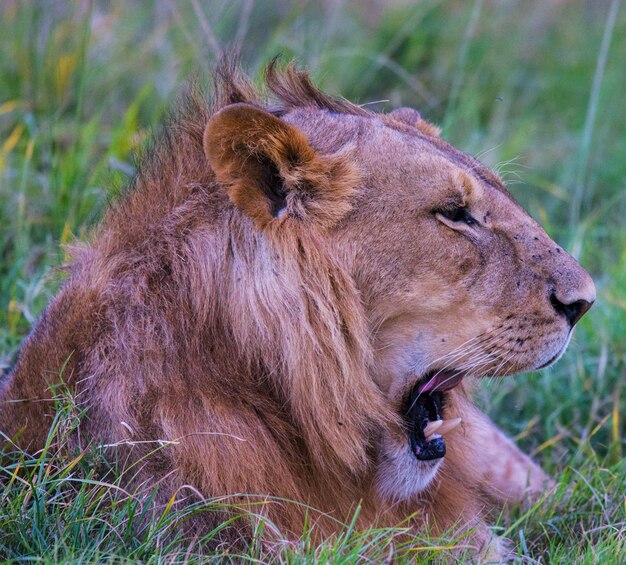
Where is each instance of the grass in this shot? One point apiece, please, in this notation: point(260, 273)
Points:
point(534, 88)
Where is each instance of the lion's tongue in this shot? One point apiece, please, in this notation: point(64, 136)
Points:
point(442, 380)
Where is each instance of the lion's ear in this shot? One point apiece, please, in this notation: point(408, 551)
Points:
point(413, 118)
point(270, 170)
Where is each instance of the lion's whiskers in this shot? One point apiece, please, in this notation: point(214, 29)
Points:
point(476, 358)
point(484, 341)
point(478, 342)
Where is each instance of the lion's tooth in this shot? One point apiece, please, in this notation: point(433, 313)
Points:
point(448, 425)
point(432, 427)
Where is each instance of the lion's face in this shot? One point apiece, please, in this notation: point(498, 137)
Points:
point(454, 273)
point(455, 278)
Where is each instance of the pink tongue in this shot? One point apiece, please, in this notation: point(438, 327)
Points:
point(442, 380)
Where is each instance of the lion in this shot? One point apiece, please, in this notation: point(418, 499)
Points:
point(293, 299)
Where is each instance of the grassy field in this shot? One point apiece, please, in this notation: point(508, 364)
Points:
point(534, 88)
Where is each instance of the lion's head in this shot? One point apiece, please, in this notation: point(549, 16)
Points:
point(453, 278)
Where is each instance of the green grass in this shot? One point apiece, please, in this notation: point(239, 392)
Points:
point(534, 88)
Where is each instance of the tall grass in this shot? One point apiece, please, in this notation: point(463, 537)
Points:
point(535, 88)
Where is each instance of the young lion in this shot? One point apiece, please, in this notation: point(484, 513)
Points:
point(296, 296)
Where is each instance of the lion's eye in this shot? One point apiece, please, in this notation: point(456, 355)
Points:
point(459, 214)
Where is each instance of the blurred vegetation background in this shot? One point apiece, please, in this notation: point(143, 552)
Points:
point(534, 88)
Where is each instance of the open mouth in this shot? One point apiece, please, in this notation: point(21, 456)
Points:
point(423, 413)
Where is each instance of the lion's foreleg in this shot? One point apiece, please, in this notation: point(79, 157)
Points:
point(498, 467)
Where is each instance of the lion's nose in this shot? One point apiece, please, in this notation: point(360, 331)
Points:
point(573, 311)
point(575, 297)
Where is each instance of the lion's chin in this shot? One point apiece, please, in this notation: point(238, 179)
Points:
point(400, 476)
point(552, 360)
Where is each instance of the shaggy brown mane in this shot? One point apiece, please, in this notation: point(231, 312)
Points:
point(161, 255)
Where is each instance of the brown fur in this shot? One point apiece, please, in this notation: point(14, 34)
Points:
point(270, 288)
